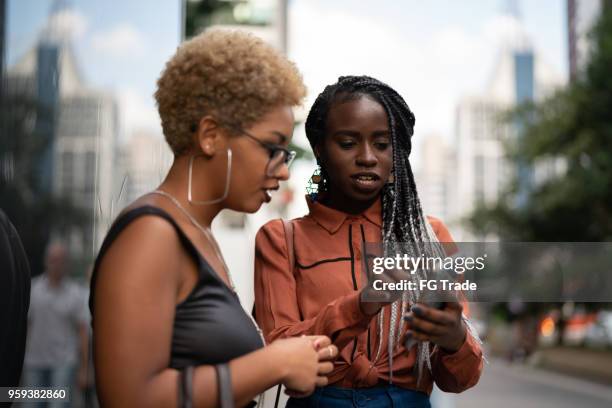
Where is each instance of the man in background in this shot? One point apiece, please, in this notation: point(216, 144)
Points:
point(57, 347)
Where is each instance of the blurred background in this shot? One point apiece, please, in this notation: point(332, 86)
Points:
point(513, 141)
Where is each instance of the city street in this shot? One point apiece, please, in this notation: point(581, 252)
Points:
point(504, 386)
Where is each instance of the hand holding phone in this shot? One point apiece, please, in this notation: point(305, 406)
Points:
point(440, 323)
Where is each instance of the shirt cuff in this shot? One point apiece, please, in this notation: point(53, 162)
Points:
point(352, 311)
point(468, 349)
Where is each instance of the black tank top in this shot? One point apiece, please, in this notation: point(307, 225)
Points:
point(210, 326)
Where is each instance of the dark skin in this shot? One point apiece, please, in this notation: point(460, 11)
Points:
point(357, 142)
point(146, 272)
point(358, 158)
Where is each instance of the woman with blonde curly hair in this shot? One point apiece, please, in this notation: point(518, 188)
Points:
point(167, 322)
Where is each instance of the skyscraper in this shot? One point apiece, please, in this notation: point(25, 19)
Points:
point(433, 177)
point(82, 131)
point(483, 172)
point(147, 158)
point(581, 17)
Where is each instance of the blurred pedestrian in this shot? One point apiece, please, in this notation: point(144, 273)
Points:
point(57, 347)
point(14, 303)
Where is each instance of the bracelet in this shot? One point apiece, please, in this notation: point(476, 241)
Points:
point(224, 382)
point(185, 388)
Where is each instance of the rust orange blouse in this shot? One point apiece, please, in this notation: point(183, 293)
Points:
point(321, 296)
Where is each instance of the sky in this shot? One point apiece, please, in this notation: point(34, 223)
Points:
point(121, 46)
point(433, 52)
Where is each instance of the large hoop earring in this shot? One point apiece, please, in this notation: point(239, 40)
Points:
point(227, 182)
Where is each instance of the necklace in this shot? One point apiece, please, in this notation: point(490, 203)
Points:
point(208, 234)
point(205, 230)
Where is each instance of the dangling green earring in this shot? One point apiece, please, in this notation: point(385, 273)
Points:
point(314, 183)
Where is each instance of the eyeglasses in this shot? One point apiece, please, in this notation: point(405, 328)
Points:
point(279, 156)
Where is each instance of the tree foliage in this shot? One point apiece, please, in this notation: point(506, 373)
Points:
point(573, 128)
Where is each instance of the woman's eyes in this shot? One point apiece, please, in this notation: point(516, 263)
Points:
point(379, 144)
point(346, 144)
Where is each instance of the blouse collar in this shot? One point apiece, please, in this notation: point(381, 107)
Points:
point(331, 219)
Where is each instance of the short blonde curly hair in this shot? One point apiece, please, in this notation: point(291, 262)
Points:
point(229, 74)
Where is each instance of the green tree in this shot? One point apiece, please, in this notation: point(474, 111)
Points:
point(574, 127)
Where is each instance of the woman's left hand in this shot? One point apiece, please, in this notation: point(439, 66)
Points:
point(327, 352)
point(443, 327)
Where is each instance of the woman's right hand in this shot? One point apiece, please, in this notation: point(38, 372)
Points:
point(306, 362)
point(372, 300)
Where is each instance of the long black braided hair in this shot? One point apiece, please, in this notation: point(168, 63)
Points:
point(402, 214)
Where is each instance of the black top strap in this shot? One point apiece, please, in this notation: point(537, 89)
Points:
point(126, 219)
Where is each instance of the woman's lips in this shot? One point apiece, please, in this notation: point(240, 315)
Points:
point(366, 182)
point(268, 192)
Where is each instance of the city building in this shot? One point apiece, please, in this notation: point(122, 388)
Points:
point(481, 130)
point(145, 159)
point(581, 17)
point(82, 131)
point(266, 19)
point(433, 179)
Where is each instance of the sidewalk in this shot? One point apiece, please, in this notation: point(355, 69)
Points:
point(512, 385)
point(593, 365)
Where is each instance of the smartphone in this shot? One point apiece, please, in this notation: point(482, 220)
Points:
point(411, 342)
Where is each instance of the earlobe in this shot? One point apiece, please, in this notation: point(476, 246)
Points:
point(207, 148)
point(207, 135)
point(317, 153)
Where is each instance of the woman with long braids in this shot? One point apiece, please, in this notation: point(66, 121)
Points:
point(360, 130)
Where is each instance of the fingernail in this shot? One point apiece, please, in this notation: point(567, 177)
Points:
point(408, 318)
point(417, 310)
point(316, 344)
point(409, 341)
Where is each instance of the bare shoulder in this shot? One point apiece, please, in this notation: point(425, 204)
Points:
point(141, 257)
point(136, 290)
point(147, 200)
point(147, 237)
